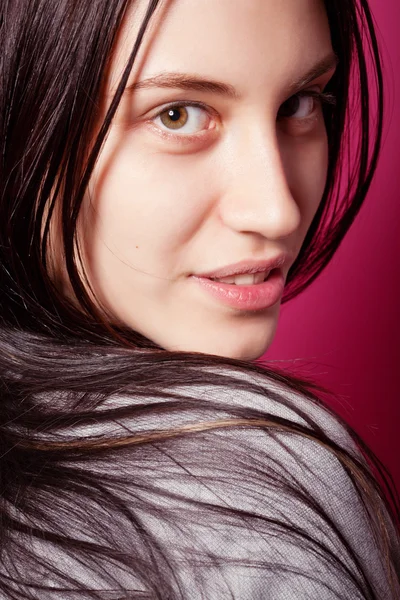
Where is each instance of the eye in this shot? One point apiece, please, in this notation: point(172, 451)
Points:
point(183, 119)
point(299, 106)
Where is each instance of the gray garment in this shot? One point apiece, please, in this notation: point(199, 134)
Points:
point(250, 556)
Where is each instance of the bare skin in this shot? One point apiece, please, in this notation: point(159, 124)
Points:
point(227, 181)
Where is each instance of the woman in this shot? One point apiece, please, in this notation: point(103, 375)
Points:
point(148, 150)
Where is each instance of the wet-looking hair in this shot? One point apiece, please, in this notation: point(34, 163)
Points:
point(60, 364)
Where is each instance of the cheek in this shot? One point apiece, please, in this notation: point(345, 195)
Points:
point(144, 208)
point(306, 164)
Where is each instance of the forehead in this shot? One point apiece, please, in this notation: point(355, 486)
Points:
point(243, 42)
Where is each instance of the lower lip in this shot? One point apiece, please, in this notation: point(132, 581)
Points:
point(247, 297)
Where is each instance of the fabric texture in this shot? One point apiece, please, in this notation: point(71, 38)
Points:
point(184, 505)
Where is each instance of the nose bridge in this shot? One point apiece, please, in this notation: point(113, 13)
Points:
point(258, 197)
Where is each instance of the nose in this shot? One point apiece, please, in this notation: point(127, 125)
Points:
point(256, 196)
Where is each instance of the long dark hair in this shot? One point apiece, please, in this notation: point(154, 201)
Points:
point(60, 364)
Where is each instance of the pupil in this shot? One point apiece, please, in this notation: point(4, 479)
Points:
point(290, 107)
point(174, 114)
point(174, 118)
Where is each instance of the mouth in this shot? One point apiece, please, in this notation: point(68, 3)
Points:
point(254, 292)
point(235, 273)
point(245, 279)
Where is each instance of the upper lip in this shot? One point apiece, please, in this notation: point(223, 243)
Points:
point(247, 267)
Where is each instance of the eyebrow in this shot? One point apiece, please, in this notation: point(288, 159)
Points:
point(185, 81)
point(321, 68)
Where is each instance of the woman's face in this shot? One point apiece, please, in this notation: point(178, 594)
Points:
point(217, 155)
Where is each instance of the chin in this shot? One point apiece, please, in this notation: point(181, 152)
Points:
point(241, 337)
point(250, 350)
point(248, 354)
point(247, 344)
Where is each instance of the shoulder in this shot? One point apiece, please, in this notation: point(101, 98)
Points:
point(245, 491)
point(280, 488)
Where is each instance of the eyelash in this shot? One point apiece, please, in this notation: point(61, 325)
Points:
point(321, 97)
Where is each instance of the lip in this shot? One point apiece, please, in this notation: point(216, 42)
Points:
point(246, 297)
point(246, 267)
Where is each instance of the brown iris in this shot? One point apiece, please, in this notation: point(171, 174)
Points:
point(175, 117)
point(292, 105)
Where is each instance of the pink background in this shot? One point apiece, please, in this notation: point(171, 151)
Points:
point(344, 331)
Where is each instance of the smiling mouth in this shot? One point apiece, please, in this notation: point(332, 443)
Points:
point(244, 279)
point(246, 292)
